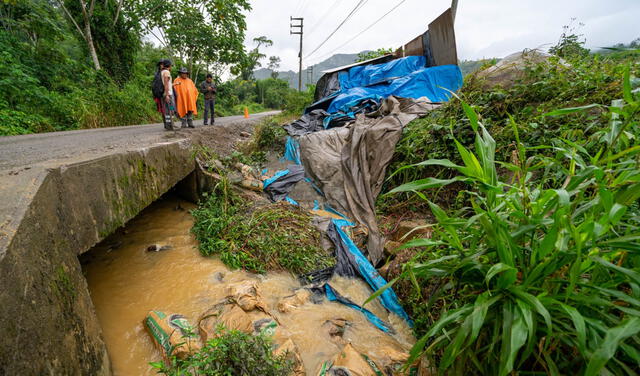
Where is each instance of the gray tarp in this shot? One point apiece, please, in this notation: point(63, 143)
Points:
point(311, 122)
point(349, 163)
point(278, 189)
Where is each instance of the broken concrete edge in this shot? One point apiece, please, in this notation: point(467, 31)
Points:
point(46, 313)
point(29, 183)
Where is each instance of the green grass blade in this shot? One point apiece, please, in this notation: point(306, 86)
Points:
point(471, 115)
point(496, 269)
point(626, 86)
point(381, 290)
point(579, 325)
point(610, 345)
point(534, 302)
point(571, 110)
point(427, 183)
point(516, 341)
point(633, 275)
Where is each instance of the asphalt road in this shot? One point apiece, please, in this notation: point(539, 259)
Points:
point(55, 148)
point(25, 160)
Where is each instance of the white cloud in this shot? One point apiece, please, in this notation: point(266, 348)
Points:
point(484, 28)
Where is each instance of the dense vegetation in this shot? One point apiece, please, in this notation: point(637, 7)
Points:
point(54, 77)
point(229, 354)
point(543, 88)
point(257, 238)
point(532, 265)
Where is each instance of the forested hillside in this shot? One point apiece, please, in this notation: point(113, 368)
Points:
point(73, 64)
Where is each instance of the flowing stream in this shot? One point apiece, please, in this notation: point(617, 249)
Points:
point(127, 281)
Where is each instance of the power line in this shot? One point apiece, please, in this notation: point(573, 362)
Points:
point(363, 31)
point(326, 13)
point(358, 6)
point(305, 4)
point(299, 6)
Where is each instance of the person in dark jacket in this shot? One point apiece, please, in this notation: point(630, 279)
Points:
point(208, 89)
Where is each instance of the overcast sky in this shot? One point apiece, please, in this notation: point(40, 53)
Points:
point(484, 28)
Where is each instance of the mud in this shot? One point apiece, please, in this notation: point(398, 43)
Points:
point(126, 281)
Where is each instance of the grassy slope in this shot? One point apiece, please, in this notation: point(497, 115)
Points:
point(470, 238)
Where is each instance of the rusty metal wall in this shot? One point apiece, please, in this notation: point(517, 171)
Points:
point(442, 39)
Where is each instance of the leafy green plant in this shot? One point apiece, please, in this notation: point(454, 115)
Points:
point(230, 353)
point(538, 274)
point(570, 44)
point(267, 135)
point(297, 101)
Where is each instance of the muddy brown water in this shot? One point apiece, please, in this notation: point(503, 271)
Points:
point(126, 281)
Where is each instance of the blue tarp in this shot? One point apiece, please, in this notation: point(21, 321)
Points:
point(435, 83)
point(366, 75)
point(292, 150)
point(335, 296)
point(291, 201)
point(275, 177)
point(388, 298)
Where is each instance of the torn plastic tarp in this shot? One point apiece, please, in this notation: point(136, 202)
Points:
point(349, 111)
point(291, 201)
point(350, 262)
point(358, 262)
point(348, 163)
point(434, 83)
point(334, 296)
point(309, 122)
point(281, 183)
point(346, 264)
point(367, 75)
point(292, 150)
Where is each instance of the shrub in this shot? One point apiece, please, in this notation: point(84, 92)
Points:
point(545, 86)
point(16, 122)
point(273, 237)
point(231, 353)
point(297, 101)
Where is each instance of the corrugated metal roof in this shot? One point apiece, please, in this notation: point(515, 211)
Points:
point(379, 59)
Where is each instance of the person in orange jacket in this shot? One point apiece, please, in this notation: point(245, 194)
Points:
point(187, 94)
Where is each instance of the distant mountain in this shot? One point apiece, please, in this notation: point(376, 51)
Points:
point(309, 75)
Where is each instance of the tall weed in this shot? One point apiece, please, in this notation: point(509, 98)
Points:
point(540, 273)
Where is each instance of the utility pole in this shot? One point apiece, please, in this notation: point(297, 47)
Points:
point(310, 74)
point(298, 30)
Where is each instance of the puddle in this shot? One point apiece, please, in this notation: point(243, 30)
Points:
point(126, 281)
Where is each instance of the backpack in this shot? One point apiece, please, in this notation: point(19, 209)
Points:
point(157, 86)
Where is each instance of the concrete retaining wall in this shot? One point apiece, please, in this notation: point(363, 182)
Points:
point(47, 319)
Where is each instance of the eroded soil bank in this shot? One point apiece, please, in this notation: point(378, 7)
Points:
point(127, 281)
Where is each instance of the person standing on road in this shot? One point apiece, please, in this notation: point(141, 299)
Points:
point(208, 89)
point(187, 96)
point(168, 99)
point(157, 88)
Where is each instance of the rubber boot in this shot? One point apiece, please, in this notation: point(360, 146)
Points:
point(184, 122)
point(190, 121)
point(168, 123)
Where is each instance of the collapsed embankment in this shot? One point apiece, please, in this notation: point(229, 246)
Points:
point(46, 314)
point(129, 282)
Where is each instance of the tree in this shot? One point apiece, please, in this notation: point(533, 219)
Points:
point(252, 59)
point(85, 19)
point(274, 64)
point(198, 32)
